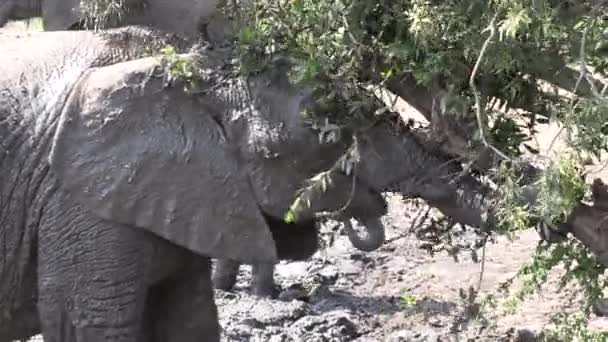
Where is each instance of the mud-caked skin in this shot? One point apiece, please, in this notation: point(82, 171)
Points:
point(65, 271)
point(116, 283)
point(119, 187)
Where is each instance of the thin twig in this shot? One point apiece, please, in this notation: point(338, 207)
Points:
point(351, 195)
point(478, 109)
point(336, 166)
point(478, 114)
point(582, 54)
point(482, 267)
point(554, 140)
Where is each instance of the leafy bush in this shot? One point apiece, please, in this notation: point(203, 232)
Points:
point(500, 64)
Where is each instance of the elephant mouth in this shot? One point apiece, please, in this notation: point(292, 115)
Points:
point(293, 241)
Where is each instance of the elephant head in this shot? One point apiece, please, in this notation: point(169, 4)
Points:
point(181, 17)
point(243, 142)
point(283, 152)
point(137, 152)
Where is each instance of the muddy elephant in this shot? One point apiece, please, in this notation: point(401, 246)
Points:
point(181, 16)
point(118, 186)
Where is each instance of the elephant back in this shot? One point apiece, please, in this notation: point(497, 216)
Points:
point(181, 17)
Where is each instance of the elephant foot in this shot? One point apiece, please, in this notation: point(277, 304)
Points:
point(601, 307)
point(225, 273)
point(262, 281)
point(182, 308)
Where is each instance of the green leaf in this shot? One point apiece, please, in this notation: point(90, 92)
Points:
point(289, 217)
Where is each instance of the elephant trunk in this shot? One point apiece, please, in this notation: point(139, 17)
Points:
point(375, 234)
point(465, 203)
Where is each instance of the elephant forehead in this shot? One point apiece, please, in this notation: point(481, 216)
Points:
point(261, 115)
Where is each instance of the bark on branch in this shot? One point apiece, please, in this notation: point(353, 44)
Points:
point(466, 202)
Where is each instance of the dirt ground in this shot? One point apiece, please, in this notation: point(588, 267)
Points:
point(346, 295)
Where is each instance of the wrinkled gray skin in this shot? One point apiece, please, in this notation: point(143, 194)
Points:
point(117, 189)
point(107, 227)
point(178, 16)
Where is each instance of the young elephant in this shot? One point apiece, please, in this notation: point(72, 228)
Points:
point(118, 186)
point(366, 206)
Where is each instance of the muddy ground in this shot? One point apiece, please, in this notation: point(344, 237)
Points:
point(397, 293)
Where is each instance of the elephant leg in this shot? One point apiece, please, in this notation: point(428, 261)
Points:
point(224, 276)
point(182, 308)
point(91, 279)
point(262, 280)
point(56, 326)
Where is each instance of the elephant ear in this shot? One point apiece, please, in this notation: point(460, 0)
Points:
point(136, 152)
